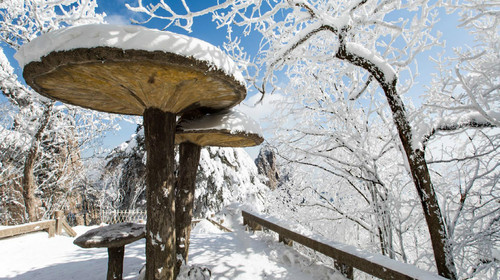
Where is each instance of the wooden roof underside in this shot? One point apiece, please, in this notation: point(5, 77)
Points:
point(129, 81)
point(219, 138)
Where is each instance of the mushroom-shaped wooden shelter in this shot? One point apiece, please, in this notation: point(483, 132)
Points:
point(227, 128)
point(137, 71)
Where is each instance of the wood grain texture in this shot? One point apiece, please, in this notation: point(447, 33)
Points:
point(189, 157)
point(159, 129)
point(129, 81)
point(219, 138)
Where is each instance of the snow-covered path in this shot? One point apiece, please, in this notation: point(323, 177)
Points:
point(233, 256)
point(35, 256)
point(236, 255)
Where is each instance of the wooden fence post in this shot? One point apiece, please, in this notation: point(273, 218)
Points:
point(59, 216)
point(285, 240)
point(254, 226)
point(52, 229)
point(346, 270)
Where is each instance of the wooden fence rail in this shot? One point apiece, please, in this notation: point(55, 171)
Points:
point(53, 227)
point(123, 216)
point(346, 257)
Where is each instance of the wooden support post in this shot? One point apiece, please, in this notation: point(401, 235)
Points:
point(254, 226)
point(189, 158)
point(115, 263)
point(346, 270)
point(161, 257)
point(52, 229)
point(59, 216)
point(68, 229)
point(285, 240)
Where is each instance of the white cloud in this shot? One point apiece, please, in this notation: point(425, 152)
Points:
point(117, 19)
point(261, 113)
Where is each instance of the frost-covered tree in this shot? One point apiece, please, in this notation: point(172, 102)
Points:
point(224, 176)
point(360, 44)
point(344, 142)
point(50, 135)
point(466, 89)
point(464, 94)
point(24, 20)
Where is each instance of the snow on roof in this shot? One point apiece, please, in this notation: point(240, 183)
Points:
point(128, 37)
point(230, 120)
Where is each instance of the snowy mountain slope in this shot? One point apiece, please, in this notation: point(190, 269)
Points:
point(225, 175)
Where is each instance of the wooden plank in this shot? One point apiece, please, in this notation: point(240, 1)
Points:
point(374, 264)
point(27, 228)
point(219, 225)
point(68, 228)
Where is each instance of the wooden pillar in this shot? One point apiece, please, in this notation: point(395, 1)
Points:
point(189, 157)
point(52, 229)
point(115, 263)
point(59, 216)
point(159, 130)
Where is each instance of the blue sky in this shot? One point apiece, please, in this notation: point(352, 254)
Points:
point(203, 28)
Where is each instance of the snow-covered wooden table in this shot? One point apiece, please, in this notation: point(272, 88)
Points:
point(114, 237)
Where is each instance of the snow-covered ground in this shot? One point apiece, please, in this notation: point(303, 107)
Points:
point(233, 255)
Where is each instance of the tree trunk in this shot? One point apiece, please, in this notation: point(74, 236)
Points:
point(425, 189)
point(28, 182)
point(382, 219)
point(115, 263)
point(159, 130)
point(416, 160)
point(189, 157)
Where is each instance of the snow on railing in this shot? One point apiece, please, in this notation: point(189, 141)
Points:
point(53, 227)
point(346, 256)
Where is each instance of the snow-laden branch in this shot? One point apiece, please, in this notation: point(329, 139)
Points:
point(451, 123)
point(10, 87)
point(22, 21)
point(363, 57)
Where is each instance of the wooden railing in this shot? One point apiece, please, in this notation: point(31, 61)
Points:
point(123, 216)
point(346, 257)
point(53, 227)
